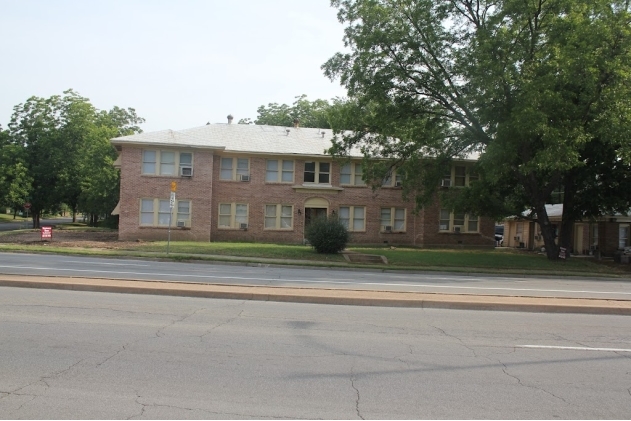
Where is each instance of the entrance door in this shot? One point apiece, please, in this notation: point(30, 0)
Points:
point(313, 213)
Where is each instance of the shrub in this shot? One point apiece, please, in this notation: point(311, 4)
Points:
point(327, 235)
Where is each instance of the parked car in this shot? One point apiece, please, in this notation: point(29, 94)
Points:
point(499, 235)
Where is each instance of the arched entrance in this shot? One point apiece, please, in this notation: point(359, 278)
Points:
point(315, 207)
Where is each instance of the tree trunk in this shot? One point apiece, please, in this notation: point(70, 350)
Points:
point(74, 216)
point(547, 232)
point(35, 215)
point(566, 231)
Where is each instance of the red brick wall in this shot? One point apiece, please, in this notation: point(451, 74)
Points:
point(134, 186)
point(421, 230)
point(432, 237)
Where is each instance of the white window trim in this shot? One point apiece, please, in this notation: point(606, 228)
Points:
point(316, 177)
point(156, 211)
point(279, 171)
point(158, 162)
point(351, 217)
point(233, 216)
point(465, 227)
point(278, 216)
point(392, 179)
point(628, 239)
point(353, 174)
point(452, 176)
point(392, 219)
point(234, 167)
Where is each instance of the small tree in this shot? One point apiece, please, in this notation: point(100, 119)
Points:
point(327, 234)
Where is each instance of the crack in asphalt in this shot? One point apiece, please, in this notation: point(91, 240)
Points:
point(357, 393)
point(456, 338)
point(236, 414)
point(505, 370)
point(159, 333)
point(42, 379)
point(201, 337)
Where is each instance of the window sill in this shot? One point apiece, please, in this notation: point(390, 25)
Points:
point(459, 233)
point(144, 227)
point(307, 188)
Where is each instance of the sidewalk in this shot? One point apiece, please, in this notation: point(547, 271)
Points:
point(326, 296)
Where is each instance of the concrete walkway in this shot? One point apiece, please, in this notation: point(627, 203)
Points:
point(326, 296)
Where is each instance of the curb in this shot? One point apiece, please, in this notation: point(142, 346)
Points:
point(326, 296)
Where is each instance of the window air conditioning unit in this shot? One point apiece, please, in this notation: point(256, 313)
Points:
point(186, 171)
point(181, 224)
point(445, 183)
point(398, 184)
point(457, 229)
point(387, 228)
point(244, 177)
point(243, 226)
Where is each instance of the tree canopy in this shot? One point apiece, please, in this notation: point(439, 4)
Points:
point(58, 152)
point(539, 89)
point(309, 113)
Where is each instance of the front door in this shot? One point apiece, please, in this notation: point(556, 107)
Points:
point(313, 213)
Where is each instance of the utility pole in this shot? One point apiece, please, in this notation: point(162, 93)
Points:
point(171, 206)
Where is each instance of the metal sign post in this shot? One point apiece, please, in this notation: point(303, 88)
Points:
point(171, 206)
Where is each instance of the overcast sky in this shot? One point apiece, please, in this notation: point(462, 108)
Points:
point(179, 63)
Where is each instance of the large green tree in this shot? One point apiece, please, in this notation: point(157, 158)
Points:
point(63, 142)
point(309, 113)
point(15, 182)
point(540, 89)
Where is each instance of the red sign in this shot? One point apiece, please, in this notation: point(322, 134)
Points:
point(47, 232)
point(27, 205)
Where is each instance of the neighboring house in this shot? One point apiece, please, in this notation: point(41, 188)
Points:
point(265, 183)
point(607, 234)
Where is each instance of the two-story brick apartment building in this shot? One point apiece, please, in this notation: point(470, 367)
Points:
point(264, 183)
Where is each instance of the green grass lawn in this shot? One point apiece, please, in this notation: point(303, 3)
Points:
point(5, 217)
point(274, 251)
point(488, 259)
point(501, 260)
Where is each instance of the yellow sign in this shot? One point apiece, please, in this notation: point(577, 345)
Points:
point(173, 186)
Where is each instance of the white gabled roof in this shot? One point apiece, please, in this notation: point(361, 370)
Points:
point(240, 138)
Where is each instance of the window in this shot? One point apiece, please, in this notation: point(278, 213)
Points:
point(351, 174)
point(148, 162)
point(232, 215)
point(459, 176)
point(156, 212)
point(234, 168)
point(458, 222)
point(594, 236)
point(165, 162)
point(623, 236)
point(186, 161)
point(393, 218)
point(184, 212)
point(279, 171)
point(319, 171)
point(392, 179)
point(279, 217)
point(353, 217)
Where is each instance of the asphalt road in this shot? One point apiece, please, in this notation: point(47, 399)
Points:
point(70, 355)
point(56, 265)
